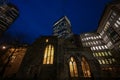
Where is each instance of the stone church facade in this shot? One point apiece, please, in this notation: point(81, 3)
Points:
point(50, 58)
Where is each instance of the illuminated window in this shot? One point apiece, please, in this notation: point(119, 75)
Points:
point(46, 40)
point(106, 61)
point(99, 47)
point(100, 61)
point(110, 61)
point(103, 53)
point(118, 22)
point(109, 53)
point(113, 59)
point(106, 53)
point(93, 48)
point(85, 68)
point(106, 47)
point(103, 61)
point(99, 54)
point(48, 55)
point(73, 68)
point(96, 54)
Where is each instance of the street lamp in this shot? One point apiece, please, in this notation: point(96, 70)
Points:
point(3, 47)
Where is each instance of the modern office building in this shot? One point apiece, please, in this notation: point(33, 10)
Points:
point(101, 52)
point(109, 29)
point(62, 28)
point(8, 14)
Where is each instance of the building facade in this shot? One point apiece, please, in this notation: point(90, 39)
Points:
point(51, 58)
point(8, 14)
point(62, 28)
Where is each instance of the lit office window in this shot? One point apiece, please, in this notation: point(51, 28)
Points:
point(85, 68)
point(113, 60)
point(102, 47)
point(118, 22)
point(106, 47)
point(73, 68)
point(93, 48)
point(116, 25)
point(106, 53)
point(106, 61)
point(99, 54)
point(110, 61)
point(99, 36)
point(114, 13)
point(96, 47)
point(100, 61)
point(94, 42)
point(103, 54)
point(103, 61)
point(48, 55)
point(88, 43)
point(99, 47)
point(91, 37)
point(94, 54)
point(109, 53)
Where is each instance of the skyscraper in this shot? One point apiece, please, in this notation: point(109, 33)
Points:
point(8, 14)
point(62, 28)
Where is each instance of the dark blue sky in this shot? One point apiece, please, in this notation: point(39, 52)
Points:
point(36, 17)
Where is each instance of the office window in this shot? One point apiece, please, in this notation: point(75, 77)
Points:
point(94, 54)
point(85, 68)
point(99, 47)
point(103, 54)
point(102, 47)
point(99, 54)
point(116, 25)
point(106, 47)
point(118, 22)
point(114, 13)
point(73, 68)
point(48, 55)
point(103, 61)
point(106, 61)
point(110, 61)
point(113, 60)
point(93, 48)
point(109, 53)
point(106, 53)
point(100, 61)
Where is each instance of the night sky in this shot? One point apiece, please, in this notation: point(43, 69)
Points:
point(36, 17)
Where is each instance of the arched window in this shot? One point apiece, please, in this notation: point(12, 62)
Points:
point(73, 68)
point(48, 55)
point(85, 68)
